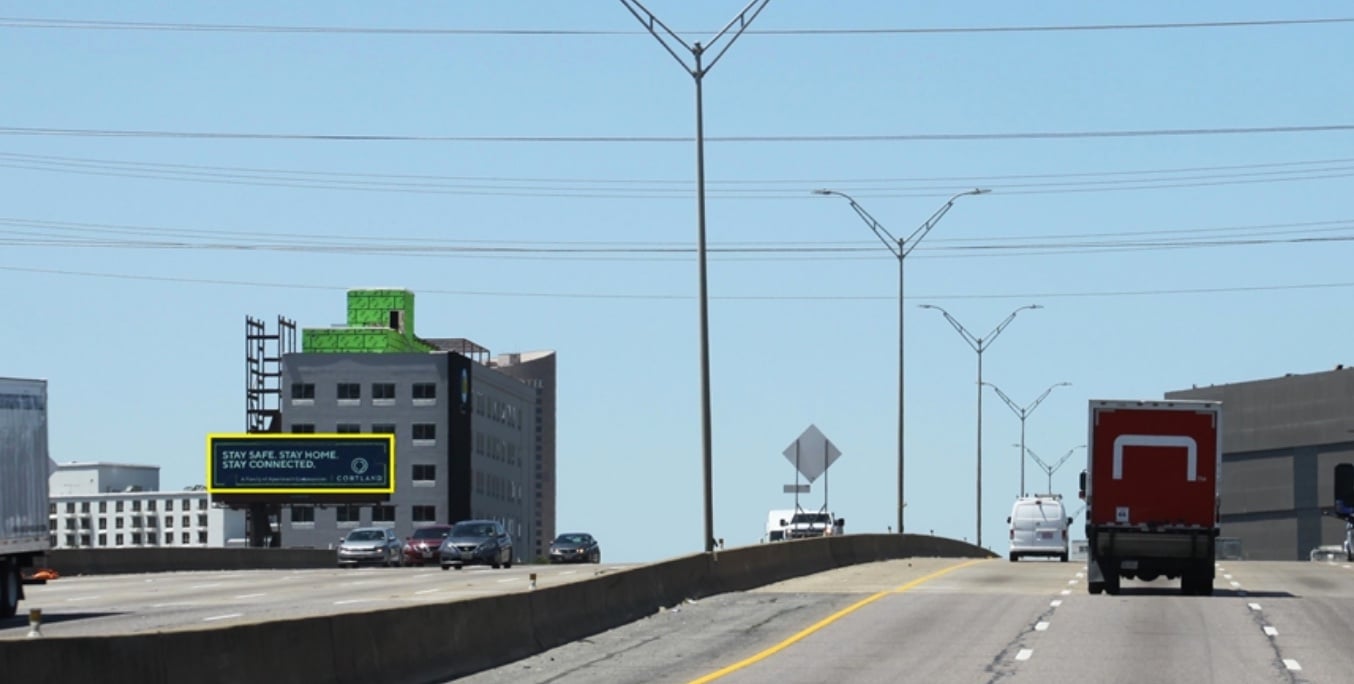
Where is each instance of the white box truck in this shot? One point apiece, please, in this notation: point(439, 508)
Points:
point(24, 471)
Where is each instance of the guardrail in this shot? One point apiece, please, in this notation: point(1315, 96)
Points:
point(434, 642)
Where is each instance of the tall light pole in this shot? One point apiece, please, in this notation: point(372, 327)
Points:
point(900, 248)
point(1023, 412)
point(980, 345)
point(670, 41)
point(1050, 469)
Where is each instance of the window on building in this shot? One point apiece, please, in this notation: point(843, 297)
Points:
point(70, 540)
point(169, 505)
point(169, 521)
point(347, 428)
point(84, 506)
point(302, 514)
point(383, 428)
point(302, 390)
point(70, 506)
point(425, 473)
point(202, 505)
point(425, 431)
point(425, 514)
point(202, 537)
point(186, 521)
point(186, 538)
point(136, 521)
point(349, 514)
point(103, 506)
point(51, 524)
point(51, 508)
point(302, 428)
point(103, 523)
point(117, 507)
point(70, 523)
point(136, 537)
point(169, 538)
point(202, 520)
point(349, 390)
point(118, 540)
point(150, 505)
point(84, 523)
point(383, 390)
point(152, 521)
point(425, 390)
point(103, 540)
point(118, 522)
point(187, 505)
point(382, 514)
point(136, 505)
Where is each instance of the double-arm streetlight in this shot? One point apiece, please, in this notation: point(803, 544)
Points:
point(980, 345)
point(1050, 469)
point(900, 248)
point(1023, 412)
point(697, 69)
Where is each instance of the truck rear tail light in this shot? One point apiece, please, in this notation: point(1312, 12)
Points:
point(1064, 534)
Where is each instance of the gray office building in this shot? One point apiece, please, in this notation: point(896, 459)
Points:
point(1281, 440)
point(474, 436)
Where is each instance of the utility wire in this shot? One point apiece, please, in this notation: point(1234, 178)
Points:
point(108, 25)
point(670, 189)
point(658, 139)
point(670, 297)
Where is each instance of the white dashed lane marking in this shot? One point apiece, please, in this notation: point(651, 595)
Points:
point(1291, 664)
point(1270, 631)
point(1254, 606)
point(221, 617)
point(1041, 627)
point(1065, 592)
point(1235, 584)
point(1025, 654)
point(1055, 603)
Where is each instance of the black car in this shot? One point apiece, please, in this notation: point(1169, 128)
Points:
point(476, 542)
point(575, 547)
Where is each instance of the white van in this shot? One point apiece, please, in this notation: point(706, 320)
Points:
point(1039, 527)
point(777, 523)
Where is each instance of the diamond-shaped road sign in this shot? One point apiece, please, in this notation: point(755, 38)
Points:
point(812, 453)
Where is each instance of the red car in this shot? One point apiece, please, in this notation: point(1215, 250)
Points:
point(422, 547)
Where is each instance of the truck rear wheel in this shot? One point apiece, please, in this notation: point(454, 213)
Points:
point(9, 590)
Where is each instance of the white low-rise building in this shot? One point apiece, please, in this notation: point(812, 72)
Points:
point(119, 505)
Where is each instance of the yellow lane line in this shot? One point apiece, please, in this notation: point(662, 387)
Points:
point(827, 621)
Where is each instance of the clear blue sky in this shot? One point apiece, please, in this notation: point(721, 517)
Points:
point(1161, 260)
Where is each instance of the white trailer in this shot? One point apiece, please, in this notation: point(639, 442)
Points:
point(24, 536)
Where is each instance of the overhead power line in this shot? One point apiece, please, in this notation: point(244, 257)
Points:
point(107, 25)
point(658, 296)
point(664, 139)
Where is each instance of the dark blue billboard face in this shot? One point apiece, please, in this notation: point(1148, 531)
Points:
point(300, 464)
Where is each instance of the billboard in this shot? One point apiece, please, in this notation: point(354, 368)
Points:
point(314, 463)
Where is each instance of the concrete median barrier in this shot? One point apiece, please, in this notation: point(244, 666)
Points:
point(429, 642)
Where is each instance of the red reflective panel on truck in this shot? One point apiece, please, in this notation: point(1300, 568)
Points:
point(1154, 466)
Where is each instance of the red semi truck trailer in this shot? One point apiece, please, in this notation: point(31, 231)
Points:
point(1151, 491)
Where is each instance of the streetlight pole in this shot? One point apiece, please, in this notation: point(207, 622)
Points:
point(1050, 469)
point(670, 41)
point(1023, 412)
point(980, 345)
point(900, 248)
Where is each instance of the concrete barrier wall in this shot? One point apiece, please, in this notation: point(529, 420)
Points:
point(427, 643)
point(131, 561)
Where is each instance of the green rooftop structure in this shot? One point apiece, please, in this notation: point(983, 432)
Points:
point(380, 321)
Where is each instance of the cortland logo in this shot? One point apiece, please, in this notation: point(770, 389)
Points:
point(359, 465)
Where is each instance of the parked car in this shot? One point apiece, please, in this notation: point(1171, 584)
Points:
point(422, 546)
point(369, 545)
point(476, 542)
point(575, 547)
